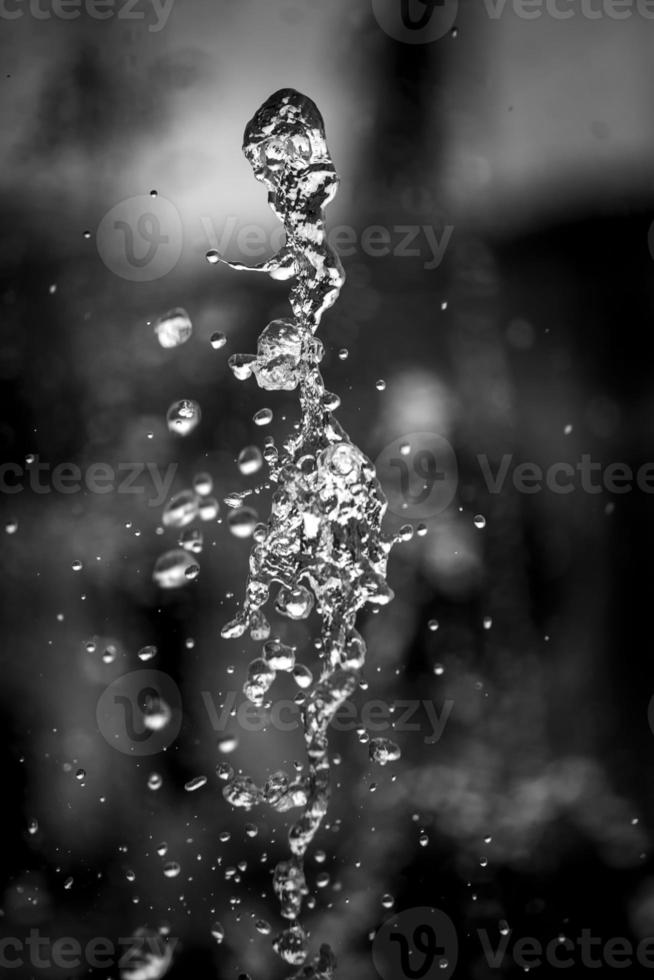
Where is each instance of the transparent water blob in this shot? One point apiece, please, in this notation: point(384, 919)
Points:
point(183, 416)
point(250, 460)
point(181, 509)
point(170, 569)
point(242, 522)
point(173, 328)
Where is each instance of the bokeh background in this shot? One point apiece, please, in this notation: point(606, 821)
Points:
point(532, 140)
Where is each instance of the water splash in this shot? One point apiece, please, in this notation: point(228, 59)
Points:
point(322, 546)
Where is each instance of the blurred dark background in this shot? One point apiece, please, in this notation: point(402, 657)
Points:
point(533, 142)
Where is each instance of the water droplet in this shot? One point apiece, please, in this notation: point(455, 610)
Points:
point(242, 522)
point(380, 385)
point(208, 508)
point(183, 416)
point(227, 744)
point(262, 417)
point(80, 775)
point(181, 509)
point(147, 653)
point(487, 622)
point(479, 521)
point(171, 869)
point(155, 781)
point(218, 340)
point(11, 526)
point(217, 932)
point(423, 839)
point(196, 783)
point(383, 750)
point(170, 569)
point(173, 328)
point(439, 670)
point(203, 484)
point(250, 460)
point(387, 901)
point(77, 566)
point(343, 354)
point(433, 625)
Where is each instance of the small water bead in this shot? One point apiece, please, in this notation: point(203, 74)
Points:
point(181, 509)
point(241, 365)
point(278, 656)
point(109, 654)
point(33, 827)
point(250, 460)
point(295, 603)
point(263, 417)
point(504, 927)
point(162, 849)
point(208, 508)
point(155, 781)
point(405, 448)
point(291, 945)
point(433, 625)
point(406, 532)
point(77, 566)
point(343, 354)
point(156, 713)
point(224, 771)
point(421, 530)
point(191, 539)
point(224, 837)
point(487, 622)
point(387, 901)
point(218, 340)
point(11, 526)
point(423, 840)
point(479, 521)
point(483, 861)
point(194, 784)
point(380, 385)
point(302, 676)
point(171, 869)
point(383, 751)
point(173, 328)
point(183, 416)
point(68, 883)
point(242, 522)
point(323, 879)
point(192, 572)
point(80, 775)
point(170, 569)
point(130, 875)
point(147, 653)
point(439, 670)
point(203, 484)
point(331, 401)
point(213, 256)
point(227, 744)
point(263, 927)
